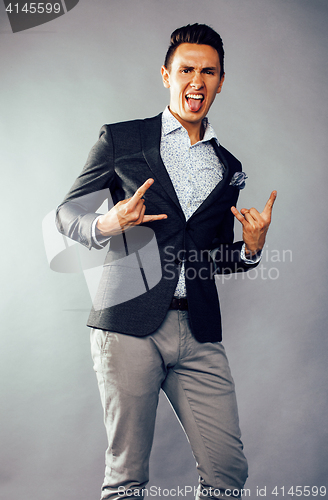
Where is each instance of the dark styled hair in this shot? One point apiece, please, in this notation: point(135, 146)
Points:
point(195, 33)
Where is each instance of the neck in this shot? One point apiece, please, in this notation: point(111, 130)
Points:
point(195, 134)
point(195, 130)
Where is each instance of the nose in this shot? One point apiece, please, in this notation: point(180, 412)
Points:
point(197, 81)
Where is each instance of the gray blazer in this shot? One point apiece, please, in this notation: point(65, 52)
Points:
point(142, 266)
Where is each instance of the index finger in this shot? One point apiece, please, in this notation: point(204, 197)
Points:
point(140, 192)
point(270, 202)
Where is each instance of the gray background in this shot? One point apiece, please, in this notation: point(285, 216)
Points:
point(98, 64)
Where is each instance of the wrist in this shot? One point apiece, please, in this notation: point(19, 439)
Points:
point(252, 253)
point(101, 227)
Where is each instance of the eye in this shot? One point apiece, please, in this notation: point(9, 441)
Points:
point(186, 70)
point(209, 72)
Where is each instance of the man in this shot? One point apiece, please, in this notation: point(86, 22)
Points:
point(167, 335)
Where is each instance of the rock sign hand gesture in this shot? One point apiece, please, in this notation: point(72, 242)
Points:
point(255, 225)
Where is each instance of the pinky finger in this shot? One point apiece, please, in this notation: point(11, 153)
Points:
point(237, 215)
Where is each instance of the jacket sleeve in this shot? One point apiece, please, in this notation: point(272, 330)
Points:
point(76, 214)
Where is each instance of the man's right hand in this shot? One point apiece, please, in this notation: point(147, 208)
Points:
point(127, 213)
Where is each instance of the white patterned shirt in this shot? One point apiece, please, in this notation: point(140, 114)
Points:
point(194, 170)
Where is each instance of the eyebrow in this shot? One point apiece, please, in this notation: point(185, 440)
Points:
point(209, 68)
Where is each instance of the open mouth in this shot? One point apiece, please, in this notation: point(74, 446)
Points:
point(194, 101)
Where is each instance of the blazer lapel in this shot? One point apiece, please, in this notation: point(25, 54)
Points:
point(151, 138)
point(213, 196)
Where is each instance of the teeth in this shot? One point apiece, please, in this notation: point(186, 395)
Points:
point(194, 96)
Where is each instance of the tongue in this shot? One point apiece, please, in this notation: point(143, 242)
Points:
point(194, 104)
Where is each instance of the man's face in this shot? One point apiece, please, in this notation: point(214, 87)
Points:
point(193, 80)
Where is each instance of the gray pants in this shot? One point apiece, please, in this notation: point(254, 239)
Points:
point(196, 379)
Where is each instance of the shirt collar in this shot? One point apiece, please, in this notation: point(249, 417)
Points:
point(170, 124)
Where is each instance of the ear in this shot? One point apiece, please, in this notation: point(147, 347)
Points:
point(165, 77)
point(220, 84)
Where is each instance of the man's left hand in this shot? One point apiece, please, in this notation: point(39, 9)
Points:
point(255, 225)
